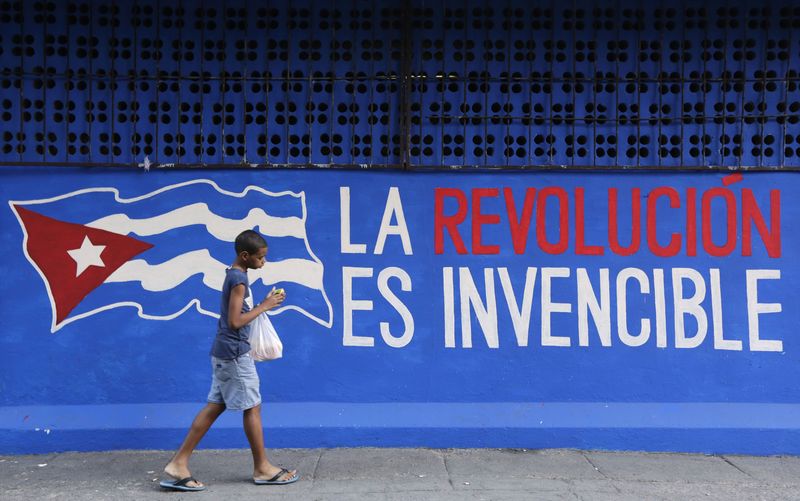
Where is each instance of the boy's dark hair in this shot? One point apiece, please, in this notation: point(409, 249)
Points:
point(249, 241)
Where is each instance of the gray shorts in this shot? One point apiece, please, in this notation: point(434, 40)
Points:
point(235, 383)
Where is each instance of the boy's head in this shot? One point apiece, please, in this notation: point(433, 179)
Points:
point(251, 249)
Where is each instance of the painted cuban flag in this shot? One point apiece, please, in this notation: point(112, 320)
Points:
point(165, 252)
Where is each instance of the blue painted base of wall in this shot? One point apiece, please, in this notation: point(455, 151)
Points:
point(710, 427)
point(755, 442)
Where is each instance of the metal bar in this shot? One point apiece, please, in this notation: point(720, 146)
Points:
point(574, 112)
point(623, 80)
point(786, 98)
point(67, 87)
point(310, 84)
point(657, 141)
point(112, 88)
point(405, 54)
point(354, 82)
point(612, 120)
point(90, 86)
point(722, 89)
point(464, 90)
point(223, 83)
point(443, 84)
point(683, 86)
point(507, 127)
point(267, 80)
point(289, 88)
point(703, 84)
point(421, 167)
point(595, 110)
point(201, 81)
point(639, 88)
point(530, 45)
point(331, 108)
point(617, 23)
point(157, 22)
point(743, 67)
point(112, 85)
point(422, 86)
point(550, 139)
point(763, 101)
point(243, 101)
point(135, 46)
point(484, 78)
point(371, 77)
point(44, 87)
point(20, 143)
point(179, 136)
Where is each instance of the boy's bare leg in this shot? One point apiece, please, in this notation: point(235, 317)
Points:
point(262, 468)
point(178, 466)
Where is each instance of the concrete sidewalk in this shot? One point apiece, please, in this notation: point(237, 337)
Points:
point(409, 474)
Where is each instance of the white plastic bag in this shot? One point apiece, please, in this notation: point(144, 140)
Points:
point(264, 341)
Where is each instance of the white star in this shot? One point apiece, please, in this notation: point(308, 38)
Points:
point(87, 255)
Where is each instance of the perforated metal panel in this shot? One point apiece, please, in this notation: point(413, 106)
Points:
point(477, 84)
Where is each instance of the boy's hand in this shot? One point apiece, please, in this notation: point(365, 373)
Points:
point(273, 299)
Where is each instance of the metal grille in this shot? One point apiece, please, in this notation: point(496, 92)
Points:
point(509, 84)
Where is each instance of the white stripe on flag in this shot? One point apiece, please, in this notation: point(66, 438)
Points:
point(300, 271)
point(169, 274)
point(220, 227)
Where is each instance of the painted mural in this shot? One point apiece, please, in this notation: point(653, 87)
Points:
point(619, 311)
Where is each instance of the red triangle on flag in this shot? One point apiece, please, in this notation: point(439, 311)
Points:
point(59, 250)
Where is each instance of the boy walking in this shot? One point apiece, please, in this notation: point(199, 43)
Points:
point(235, 383)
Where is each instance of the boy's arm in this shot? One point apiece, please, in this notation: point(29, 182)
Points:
point(237, 319)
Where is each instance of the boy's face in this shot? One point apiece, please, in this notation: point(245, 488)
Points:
point(256, 260)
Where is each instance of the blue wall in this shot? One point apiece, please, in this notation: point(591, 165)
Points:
point(133, 376)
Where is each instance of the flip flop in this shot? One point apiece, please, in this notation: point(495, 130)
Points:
point(180, 485)
point(274, 480)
